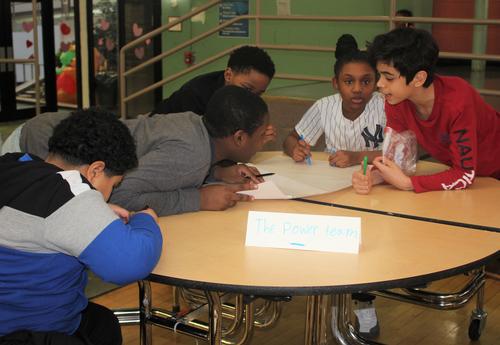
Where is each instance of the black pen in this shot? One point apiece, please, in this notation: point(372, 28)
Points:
point(266, 174)
point(261, 175)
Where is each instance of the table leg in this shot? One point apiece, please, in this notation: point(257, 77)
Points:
point(316, 329)
point(145, 301)
point(214, 318)
point(176, 295)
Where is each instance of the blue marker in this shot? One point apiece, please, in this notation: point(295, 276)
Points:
point(308, 158)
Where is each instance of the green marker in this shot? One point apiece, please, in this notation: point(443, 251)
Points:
point(365, 164)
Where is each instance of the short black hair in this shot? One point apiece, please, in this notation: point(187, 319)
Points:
point(404, 13)
point(347, 51)
point(408, 50)
point(233, 108)
point(93, 135)
point(246, 58)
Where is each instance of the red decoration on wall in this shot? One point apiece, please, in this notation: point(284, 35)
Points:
point(136, 30)
point(139, 52)
point(28, 43)
point(65, 28)
point(27, 26)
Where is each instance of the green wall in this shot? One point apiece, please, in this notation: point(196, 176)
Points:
point(282, 32)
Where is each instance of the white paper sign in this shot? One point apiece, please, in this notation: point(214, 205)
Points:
point(304, 232)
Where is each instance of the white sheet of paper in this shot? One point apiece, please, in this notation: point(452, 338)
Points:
point(301, 180)
point(303, 232)
point(266, 190)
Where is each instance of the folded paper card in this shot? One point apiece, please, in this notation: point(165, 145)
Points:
point(304, 232)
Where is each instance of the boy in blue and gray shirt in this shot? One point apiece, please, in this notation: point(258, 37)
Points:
point(55, 223)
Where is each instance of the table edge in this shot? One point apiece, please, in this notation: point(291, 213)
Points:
point(321, 290)
point(402, 215)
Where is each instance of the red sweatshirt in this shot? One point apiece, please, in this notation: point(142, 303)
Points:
point(462, 132)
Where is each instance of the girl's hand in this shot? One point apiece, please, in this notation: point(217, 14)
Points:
point(301, 151)
point(392, 173)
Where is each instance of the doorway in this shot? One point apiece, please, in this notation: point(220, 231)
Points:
point(17, 81)
point(112, 24)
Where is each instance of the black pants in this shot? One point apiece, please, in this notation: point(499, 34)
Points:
point(99, 326)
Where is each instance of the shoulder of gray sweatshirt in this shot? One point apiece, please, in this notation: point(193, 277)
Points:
point(175, 157)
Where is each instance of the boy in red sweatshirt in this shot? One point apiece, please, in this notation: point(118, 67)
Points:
point(449, 118)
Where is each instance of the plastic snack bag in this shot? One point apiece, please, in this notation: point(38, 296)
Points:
point(401, 148)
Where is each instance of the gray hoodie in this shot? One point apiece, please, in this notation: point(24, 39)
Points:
point(175, 156)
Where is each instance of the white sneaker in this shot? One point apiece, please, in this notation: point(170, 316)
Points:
point(367, 319)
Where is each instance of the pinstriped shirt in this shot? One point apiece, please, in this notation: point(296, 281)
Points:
point(325, 116)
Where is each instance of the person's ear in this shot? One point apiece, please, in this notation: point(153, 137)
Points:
point(228, 75)
point(94, 170)
point(335, 83)
point(240, 137)
point(419, 78)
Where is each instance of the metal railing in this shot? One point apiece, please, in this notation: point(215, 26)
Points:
point(258, 18)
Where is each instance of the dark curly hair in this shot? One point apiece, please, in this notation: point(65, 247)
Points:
point(408, 50)
point(347, 51)
point(94, 135)
point(246, 58)
point(232, 108)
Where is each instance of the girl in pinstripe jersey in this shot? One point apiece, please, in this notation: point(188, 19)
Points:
point(353, 120)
